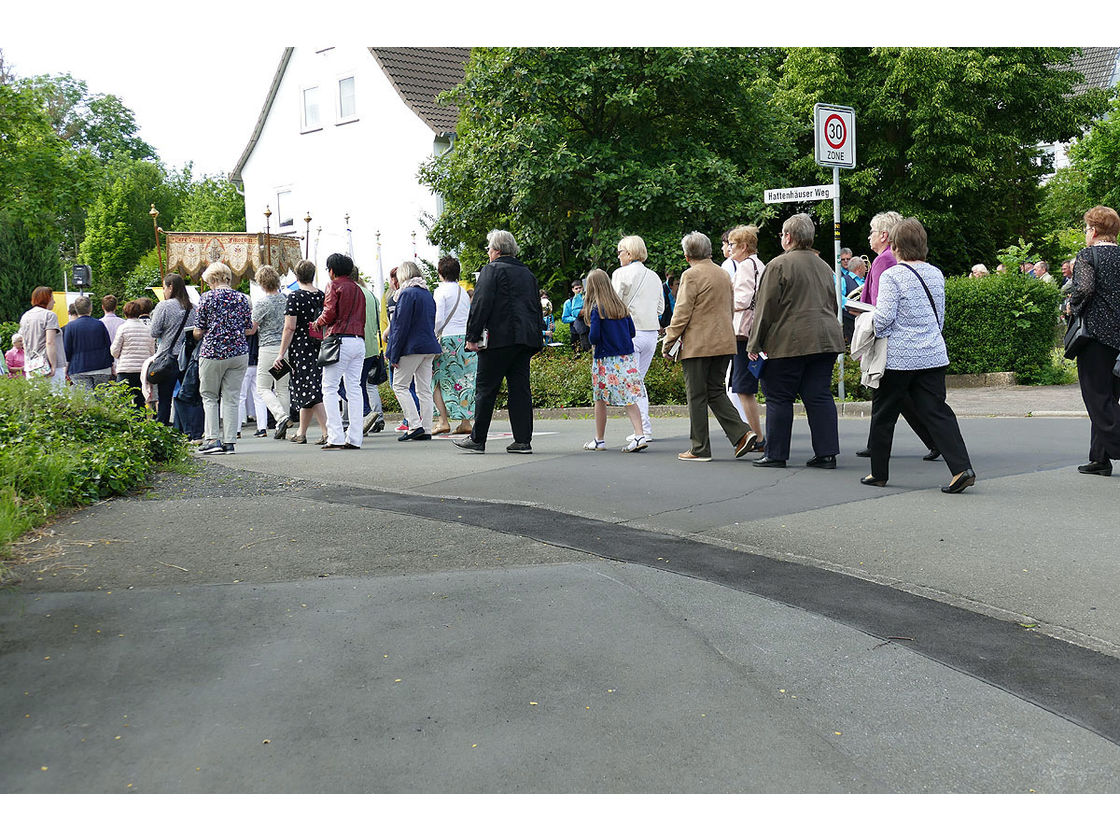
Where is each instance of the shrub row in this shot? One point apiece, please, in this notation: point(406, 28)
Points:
point(62, 449)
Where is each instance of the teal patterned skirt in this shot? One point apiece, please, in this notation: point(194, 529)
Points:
point(454, 373)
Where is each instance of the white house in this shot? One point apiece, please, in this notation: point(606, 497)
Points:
point(1101, 68)
point(343, 133)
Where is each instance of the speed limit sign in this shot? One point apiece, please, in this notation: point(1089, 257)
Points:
point(835, 131)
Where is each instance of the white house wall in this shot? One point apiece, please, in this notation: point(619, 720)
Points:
point(365, 166)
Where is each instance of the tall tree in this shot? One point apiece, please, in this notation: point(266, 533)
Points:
point(26, 261)
point(573, 148)
point(948, 135)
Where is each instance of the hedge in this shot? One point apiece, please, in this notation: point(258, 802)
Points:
point(1002, 322)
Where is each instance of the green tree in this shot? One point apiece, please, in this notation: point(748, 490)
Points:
point(1096, 157)
point(211, 203)
point(26, 261)
point(573, 148)
point(948, 135)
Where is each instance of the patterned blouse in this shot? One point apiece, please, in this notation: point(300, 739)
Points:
point(903, 312)
point(224, 315)
point(1096, 294)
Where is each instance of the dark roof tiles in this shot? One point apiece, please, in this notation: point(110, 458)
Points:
point(419, 75)
point(1097, 65)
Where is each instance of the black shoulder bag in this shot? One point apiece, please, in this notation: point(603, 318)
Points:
point(165, 366)
point(1077, 337)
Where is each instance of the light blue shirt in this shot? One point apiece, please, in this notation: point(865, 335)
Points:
point(904, 316)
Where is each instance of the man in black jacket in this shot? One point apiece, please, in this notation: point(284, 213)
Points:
point(504, 325)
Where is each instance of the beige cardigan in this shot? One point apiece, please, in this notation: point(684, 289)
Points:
point(702, 316)
point(132, 345)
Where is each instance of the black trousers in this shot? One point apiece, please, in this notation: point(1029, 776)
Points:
point(910, 414)
point(809, 377)
point(512, 365)
point(164, 392)
point(925, 390)
point(1100, 391)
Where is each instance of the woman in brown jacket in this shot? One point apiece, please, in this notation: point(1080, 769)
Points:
point(702, 324)
point(796, 326)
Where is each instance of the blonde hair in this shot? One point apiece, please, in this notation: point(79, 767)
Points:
point(746, 235)
point(598, 293)
point(217, 272)
point(635, 246)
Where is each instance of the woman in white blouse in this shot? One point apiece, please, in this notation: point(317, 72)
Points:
point(454, 371)
point(748, 270)
point(640, 290)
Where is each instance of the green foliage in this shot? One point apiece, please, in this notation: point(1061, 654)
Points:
point(571, 149)
point(1015, 255)
point(947, 135)
point(70, 448)
point(210, 204)
point(7, 330)
point(143, 278)
point(854, 389)
point(1001, 322)
point(1096, 157)
point(26, 261)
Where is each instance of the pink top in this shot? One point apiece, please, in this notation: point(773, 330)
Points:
point(14, 359)
point(870, 291)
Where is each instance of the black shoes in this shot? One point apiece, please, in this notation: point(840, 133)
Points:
point(260, 433)
point(863, 453)
point(1096, 468)
point(960, 481)
point(416, 434)
point(822, 462)
point(872, 481)
point(470, 445)
point(520, 448)
point(281, 429)
point(769, 462)
point(933, 454)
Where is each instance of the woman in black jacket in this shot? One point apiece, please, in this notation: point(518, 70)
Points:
point(1096, 298)
point(505, 326)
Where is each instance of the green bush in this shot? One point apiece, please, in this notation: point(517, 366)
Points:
point(62, 449)
point(7, 330)
point(1001, 322)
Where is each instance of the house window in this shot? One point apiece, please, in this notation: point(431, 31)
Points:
point(284, 208)
point(347, 105)
point(310, 108)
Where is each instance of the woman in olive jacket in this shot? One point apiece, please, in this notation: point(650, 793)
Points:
point(796, 326)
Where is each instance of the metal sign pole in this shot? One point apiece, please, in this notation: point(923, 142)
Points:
point(836, 264)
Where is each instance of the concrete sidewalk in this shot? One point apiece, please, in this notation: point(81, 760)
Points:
point(409, 617)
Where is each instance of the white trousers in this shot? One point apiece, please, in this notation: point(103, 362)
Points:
point(250, 399)
point(351, 356)
point(275, 392)
point(645, 343)
point(419, 368)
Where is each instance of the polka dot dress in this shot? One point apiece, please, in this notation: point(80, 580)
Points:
point(307, 376)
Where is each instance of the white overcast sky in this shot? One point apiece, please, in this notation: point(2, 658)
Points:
point(196, 73)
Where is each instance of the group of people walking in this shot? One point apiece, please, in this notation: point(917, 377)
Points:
point(774, 327)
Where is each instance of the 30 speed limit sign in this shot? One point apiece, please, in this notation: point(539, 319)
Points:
point(835, 131)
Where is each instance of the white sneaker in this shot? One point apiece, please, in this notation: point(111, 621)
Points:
point(636, 444)
point(595, 446)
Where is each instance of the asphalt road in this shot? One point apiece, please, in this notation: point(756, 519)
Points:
point(410, 618)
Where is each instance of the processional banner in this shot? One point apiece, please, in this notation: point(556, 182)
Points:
point(189, 254)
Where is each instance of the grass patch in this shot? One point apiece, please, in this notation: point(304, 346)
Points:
point(64, 449)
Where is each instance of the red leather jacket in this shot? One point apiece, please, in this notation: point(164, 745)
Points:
point(344, 311)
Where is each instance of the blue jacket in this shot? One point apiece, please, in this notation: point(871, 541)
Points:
point(572, 307)
point(86, 342)
point(611, 336)
point(413, 329)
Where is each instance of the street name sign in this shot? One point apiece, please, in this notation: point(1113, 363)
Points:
point(817, 193)
point(835, 135)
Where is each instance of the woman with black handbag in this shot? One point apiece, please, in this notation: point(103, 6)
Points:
point(304, 305)
point(170, 320)
point(1095, 307)
point(910, 312)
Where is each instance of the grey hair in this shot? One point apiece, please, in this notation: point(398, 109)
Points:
point(847, 251)
point(217, 272)
point(83, 305)
point(503, 242)
point(886, 222)
point(697, 246)
point(409, 274)
point(801, 230)
point(855, 264)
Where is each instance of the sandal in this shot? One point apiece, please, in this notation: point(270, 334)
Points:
point(299, 438)
point(636, 444)
point(595, 446)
